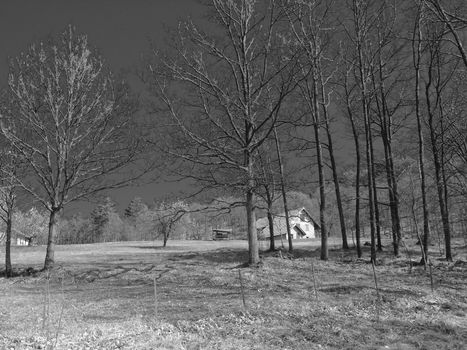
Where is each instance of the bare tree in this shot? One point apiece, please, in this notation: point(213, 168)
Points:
point(389, 90)
point(222, 94)
point(283, 191)
point(435, 84)
point(416, 56)
point(362, 22)
point(70, 125)
point(8, 195)
point(311, 35)
point(454, 22)
point(267, 191)
point(313, 29)
point(166, 216)
point(350, 100)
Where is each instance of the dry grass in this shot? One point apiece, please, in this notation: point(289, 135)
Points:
point(105, 294)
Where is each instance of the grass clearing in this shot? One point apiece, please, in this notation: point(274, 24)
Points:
point(101, 296)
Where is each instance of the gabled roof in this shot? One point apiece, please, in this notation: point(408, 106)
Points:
point(263, 222)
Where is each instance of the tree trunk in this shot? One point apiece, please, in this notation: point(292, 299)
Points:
point(437, 164)
point(322, 196)
point(340, 209)
point(360, 37)
point(379, 244)
point(8, 268)
point(284, 194)
point(357, 192)
point(166, 237)
point(53, 227)
point(272, 242)
point(440, 190)
point(442, 201)
point(357, 175)
point(392, 194)
point(253, 249)
point(416, 50)
point(386, 137)
point(370, 187)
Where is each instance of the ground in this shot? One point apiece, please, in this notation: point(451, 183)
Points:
point(199, 295)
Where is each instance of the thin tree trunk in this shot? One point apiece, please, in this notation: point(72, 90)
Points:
point(253, 249)
point(322, 197)
point(272, 242)
point(437, 164)
point(357, 189)
point(53, 228)
point(370, 188)
point(166, 236)
point(394, 202)
point(251, 224)
point(386, 137)
point(340, 208)
point(360, 36)
point(357, 175)
point(8, 268)
point(441, 199)
point(319, 154)
point(379, 244)
point(284, 194)
point(416, 50)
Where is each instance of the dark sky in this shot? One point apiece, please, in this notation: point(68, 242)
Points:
point(121, 29)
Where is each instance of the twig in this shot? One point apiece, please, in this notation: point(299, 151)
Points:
point(155, 297)
point(314, 280)
point(431, 277)
point(59, 326)
point(378, 300)
point(409, 255)
point(242, 289)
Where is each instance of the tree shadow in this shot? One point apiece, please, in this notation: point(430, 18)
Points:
point(25, 272)
point(217, 256)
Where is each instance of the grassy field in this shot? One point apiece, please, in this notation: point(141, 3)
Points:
point(198, 295)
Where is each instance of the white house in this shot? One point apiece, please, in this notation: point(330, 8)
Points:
point(302, 225)
point(22, 240)
point(16, 239)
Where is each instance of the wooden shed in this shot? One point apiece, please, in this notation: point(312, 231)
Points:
point(219, 234)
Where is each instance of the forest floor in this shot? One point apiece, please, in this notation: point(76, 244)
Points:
point(200, 295)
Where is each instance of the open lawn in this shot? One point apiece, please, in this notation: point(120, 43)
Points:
point(103, 296)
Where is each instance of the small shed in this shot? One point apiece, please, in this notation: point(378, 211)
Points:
point(219, 234)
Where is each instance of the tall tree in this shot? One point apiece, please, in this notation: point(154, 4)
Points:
point(436, 81)
point(267, 191)
point(308, 22)
point(69, 123)
point(417, 39)
point(349, 101)
point(311, 25)
point(10, 167)
point(222, 93)
point(283, 191)
point(387, 80)
point(362, 22)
